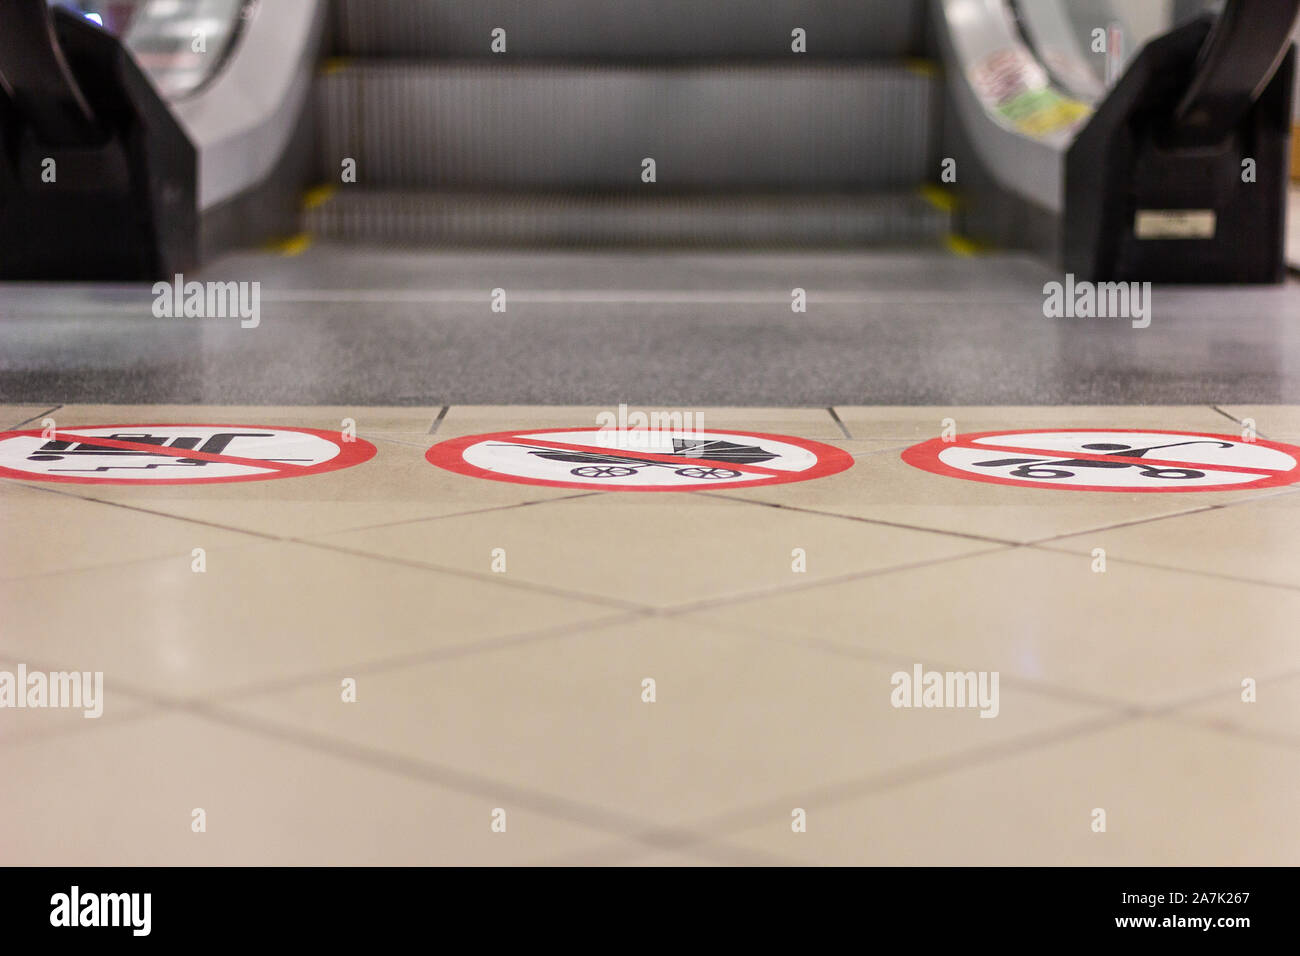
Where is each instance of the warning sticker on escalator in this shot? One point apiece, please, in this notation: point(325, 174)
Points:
point(650, 460)
point(175, 454)
point(1124, 460)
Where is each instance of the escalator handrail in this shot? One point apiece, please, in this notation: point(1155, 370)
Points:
point(36, 75)
point(1243, 51)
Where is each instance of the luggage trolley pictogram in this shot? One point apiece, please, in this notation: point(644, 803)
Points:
point(59, 450)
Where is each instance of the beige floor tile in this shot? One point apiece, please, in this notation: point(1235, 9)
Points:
point(656, 550)
point(125, 797)
point(1173, 796)
point(23, 724)
point(918, 423)
point(1141, 636)
point(882, 487)
point(259, 615)
point(814, 423)
point(1274, 715)
point(1254, 540)
point(737, 719)
point(48, 531)
point(398, 484)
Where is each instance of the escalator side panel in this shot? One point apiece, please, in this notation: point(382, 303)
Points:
point(119, 210)
point(1132, 157)
point(35, 75)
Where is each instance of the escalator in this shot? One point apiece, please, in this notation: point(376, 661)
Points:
point(545, 134)
point(1159, 155)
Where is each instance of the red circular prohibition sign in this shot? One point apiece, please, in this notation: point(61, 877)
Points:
point(927, 457)
point(349, 453)
point(829, 460)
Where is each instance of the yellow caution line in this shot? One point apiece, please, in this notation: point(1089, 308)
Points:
point(292, 246)
point(944, 200)
point(962, 246)
point(921, 65)
point(318, 196)
point(334, 64)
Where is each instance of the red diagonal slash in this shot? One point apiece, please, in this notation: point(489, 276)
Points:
point(650, 456)
point(1119, 457)
point(174, 452)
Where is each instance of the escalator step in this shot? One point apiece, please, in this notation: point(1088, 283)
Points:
point(817, 126)
point(626, 28)
point(469, 219)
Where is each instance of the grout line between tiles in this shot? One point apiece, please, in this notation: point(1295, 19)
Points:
point(1234, 418)
point(487, 578)
point(48, 411)
point(395, 441)
point(217, 697)
point(433, 429)
point(1203, 509)
point(454, 514)
point(983, 539)
point(836, 416)
point(149, 511)
point(1154, 566)
point(421, 658)
point(584, 815)
point(1135, 522)
point(894, 658)
point(1286, 741)
point(132, 562)
point(324, 546)
point(1171, 710)
point(833, 794)
point(1206, 697)
point(677, 610)
point(70, 729)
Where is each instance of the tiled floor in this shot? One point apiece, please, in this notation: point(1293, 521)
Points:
point(487, 691)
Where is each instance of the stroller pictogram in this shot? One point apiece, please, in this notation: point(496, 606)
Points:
point(602, 464)
point(1048, 468)
point(214, 445)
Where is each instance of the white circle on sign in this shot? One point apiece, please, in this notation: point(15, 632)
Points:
point(1126, 460)
point(638, 460)
point(174, 453)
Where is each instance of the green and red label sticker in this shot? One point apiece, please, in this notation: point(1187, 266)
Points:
point(175, 454)
point(649, 460)
point(1110, 459)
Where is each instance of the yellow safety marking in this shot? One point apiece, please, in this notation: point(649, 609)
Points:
point(292, 246)
point(962, 246)
point(318, 196)
point(945, 200)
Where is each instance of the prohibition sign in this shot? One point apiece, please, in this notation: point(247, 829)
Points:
point(175, 454)
point(644, 460)
point(1110, 459)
